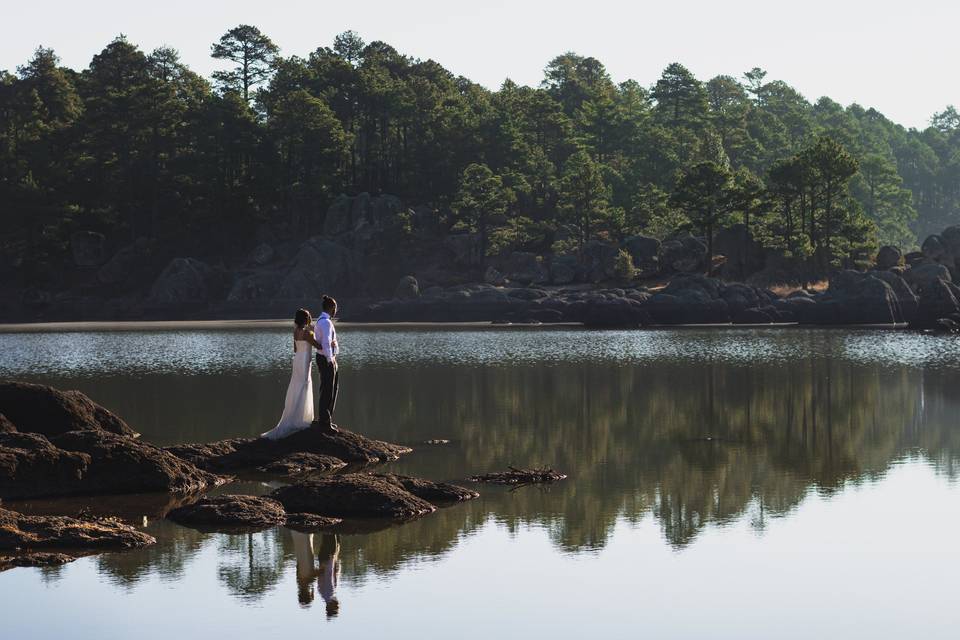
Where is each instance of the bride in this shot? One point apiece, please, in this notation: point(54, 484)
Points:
point(298, 406)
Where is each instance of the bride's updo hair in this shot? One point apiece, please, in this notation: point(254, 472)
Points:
point(328, 304)
point(301, 318)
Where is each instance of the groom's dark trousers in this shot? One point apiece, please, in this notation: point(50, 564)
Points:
point(329, 386)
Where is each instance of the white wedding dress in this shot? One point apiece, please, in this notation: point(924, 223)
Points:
point(298, 406)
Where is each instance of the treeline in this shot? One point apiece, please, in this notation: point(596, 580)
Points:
point(139, 145)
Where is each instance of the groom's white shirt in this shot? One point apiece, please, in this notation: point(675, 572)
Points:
point(326, 335)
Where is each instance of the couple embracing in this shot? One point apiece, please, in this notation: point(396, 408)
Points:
point(298, 411)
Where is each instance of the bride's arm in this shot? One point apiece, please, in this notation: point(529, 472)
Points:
point(312, 339)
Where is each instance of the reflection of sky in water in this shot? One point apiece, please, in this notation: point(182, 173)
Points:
point(841, 567)
point(197, 352)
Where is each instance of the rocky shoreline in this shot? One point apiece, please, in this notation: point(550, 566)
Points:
point(57, 443)
point(923, 297)
point(378, 277)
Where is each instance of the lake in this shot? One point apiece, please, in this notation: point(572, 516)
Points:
point(734, 483)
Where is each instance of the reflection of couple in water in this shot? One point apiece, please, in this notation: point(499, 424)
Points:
point(318, 556)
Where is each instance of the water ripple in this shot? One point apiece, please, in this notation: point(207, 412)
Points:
point(219, 351)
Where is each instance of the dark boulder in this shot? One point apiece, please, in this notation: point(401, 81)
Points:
point(598, 261)
point(5, 425)
point(319, 267)
point(932, 248)
point(407, 289)
point(642, 248)
point(188, 280)
point(923, 275)
point(384, 211)
point(688, 309)
point(436, 493)
point(938, 300)
point(563, 269)
point(88, 248)
point(301, 463)
point(126, 266)
point(126, 465)
point(525, 268)
point(527, 293)
point(696, 286)
point(799, 308)
point(683, 255)
point(753, 315)
point(888, 257)
point(613, 312)
point(858, 298)
point(493, 276)
point(18, 531)
point(230, 513)
point(262, 254)
point(250, 453)
point(31, 466)
point(260, 285)
point(740, 297)
point(360, 210)
point(950, 239)
point(34, 559)
point(338, 219)
point(690, 299)
point(463, 249)
point(310, 522)
point(35, 408)
point(908, 300)
point(915, 258)
point(354, 495)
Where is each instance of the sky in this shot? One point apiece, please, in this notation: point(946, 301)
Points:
point(899, 57)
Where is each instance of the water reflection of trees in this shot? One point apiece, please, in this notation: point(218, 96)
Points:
point(689, 445)
point(694, 445)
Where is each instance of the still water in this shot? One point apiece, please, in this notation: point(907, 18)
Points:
point(722, 484)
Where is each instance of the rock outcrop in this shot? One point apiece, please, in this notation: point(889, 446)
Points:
point(407, 288)
point(888, 257)
point(859, 298)
point(88, 248)
point(233, 513)
point(31, 466)
point(354, 495)
point(21, 532)
point(63, 443)
point(188, 280)
point(89, 463)
point(230, 512)
point(320, 266)
point(34, 559)
point(301, 463)
point(6, 426)
point(239, 454)
point(436, 493)
point(36, 408)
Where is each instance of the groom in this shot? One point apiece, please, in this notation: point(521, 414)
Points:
point(326, 335)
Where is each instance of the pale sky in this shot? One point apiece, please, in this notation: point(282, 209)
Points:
point(900, 57)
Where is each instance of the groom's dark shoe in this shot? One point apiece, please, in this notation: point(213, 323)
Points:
point(326, 425)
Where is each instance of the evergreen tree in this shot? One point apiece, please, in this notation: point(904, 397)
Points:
point(251, 51)
point(481, 203)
